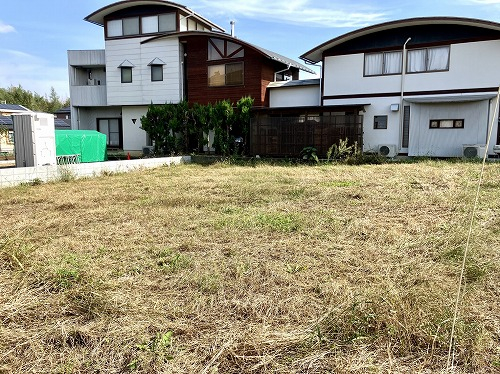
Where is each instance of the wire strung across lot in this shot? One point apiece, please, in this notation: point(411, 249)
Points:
point(461, 289)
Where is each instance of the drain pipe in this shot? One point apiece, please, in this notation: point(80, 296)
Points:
point(401, 115)
point(281, 71)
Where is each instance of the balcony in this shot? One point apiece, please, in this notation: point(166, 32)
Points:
point(88, 95)
point(87, 78)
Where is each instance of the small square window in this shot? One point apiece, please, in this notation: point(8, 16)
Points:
point(156, 73)
point(380, 122)
point(126, 75)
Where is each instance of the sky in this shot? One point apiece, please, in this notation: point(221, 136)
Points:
point(35, 35)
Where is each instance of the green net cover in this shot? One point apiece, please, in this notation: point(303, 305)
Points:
point(89, 144)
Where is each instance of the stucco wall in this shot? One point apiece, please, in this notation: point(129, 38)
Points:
point(294, 96)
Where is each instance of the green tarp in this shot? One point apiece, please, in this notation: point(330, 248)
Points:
point(88, 144)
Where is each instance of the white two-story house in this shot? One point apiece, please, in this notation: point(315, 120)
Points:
point(161, 52)
point(424, 86)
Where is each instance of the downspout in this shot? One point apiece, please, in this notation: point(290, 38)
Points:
point(401, 115)
point(488, 119)
point(281, 71)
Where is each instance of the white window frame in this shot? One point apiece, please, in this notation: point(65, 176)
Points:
point(159, 68)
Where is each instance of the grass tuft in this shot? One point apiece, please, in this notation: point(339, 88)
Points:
point(252, 268)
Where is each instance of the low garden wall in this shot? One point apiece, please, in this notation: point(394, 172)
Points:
point(12, 176)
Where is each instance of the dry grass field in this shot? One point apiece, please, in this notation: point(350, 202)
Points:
point(251, 269)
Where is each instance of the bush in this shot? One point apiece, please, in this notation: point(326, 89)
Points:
point(181, 128)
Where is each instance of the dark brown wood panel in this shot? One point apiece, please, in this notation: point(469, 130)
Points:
point(258, 73)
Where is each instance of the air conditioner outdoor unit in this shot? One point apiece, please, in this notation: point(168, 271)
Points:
point(387, 150)
point(473, 150)
point(148, 150)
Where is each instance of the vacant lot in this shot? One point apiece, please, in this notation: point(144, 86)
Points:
point(241, 269)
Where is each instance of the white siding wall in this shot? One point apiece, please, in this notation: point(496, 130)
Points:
point(344, 76)
point(133, 137)
point(447, 142)
point(294, 96)
point(142, 91)
point(472, 65)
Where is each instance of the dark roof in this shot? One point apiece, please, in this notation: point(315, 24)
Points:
point(316, 54)
point(8, 107)
point(285, 60)
point(5, 120)
point(63, 110)
point(267, 53)
point(97, 17)
point(58, 123)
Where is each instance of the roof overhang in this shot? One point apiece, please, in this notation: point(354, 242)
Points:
point(98, 16)
point(295, 83)
point(461, 98)
point(310, 109)
point(315, 55)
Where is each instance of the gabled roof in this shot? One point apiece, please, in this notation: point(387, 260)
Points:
point(316, 54)
point(97, 17)
point(267, 53)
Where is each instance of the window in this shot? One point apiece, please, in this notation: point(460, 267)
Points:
point(10, 137)
point(225, 74)
point(156, 69)
point(380, 122)
point(156, 73)
point(126, 74)
point(115, 28)
point(220, 49)
point(446, 124)
point(147, 25)
point(131, 26)
point(428, 59)
point(111, 127)
point(167, 22)
point(383, 63)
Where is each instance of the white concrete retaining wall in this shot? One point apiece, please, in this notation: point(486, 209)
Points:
point(15, 176)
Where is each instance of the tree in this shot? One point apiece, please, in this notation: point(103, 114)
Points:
point(32, 100)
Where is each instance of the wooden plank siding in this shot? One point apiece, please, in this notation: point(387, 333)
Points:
point(258, 73)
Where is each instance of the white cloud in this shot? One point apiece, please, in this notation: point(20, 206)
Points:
point(4, 28)
point(485, 2)
point(304, 12)
point(32, 73)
